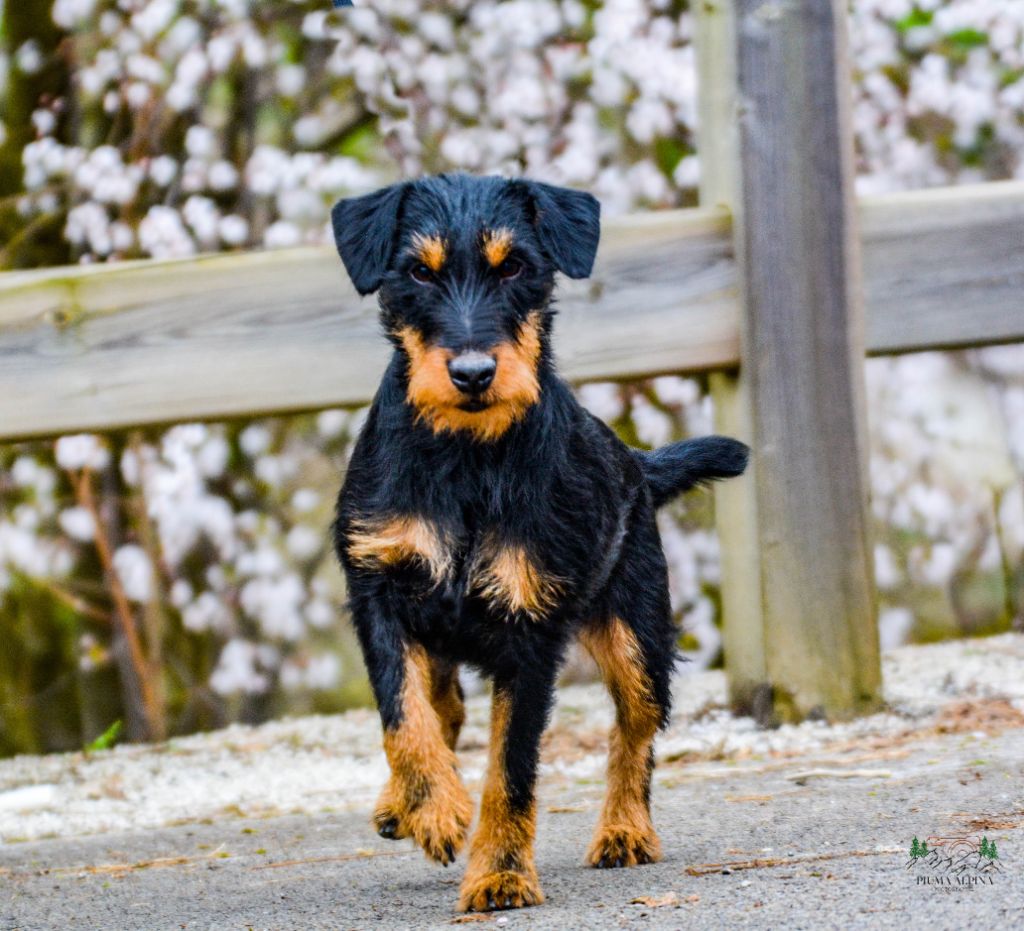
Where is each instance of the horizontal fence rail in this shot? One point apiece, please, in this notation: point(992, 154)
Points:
point(107, 347)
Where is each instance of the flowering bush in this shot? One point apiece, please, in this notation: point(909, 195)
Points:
point(180, 579)
point(938, 91)
point(211, 542)
point(193, 125)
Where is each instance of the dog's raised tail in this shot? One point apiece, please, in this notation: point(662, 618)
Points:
point(678, 467)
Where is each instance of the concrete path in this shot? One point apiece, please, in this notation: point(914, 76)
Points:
point(747, 846)
point(801, 827)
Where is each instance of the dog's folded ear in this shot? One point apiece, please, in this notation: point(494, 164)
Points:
point(364, 232)
point(569, 226)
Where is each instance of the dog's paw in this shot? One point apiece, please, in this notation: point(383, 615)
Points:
point(440, 824)
point(488, 892)
point(388, 815)
point(619, 845)
point(389, 825)
point(436, 815)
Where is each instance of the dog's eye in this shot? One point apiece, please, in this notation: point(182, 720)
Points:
point(422, 273)
point(509, 269)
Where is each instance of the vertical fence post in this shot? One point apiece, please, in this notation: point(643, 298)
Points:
point(776, 146)
point(735, 501)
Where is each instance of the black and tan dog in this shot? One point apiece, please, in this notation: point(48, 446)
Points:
point(488, 519)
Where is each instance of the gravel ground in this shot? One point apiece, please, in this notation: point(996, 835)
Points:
point(267, 827)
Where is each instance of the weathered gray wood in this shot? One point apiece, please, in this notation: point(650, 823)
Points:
point(802, 339)
point(944, 268)
point(735, 501)
point(102, 348)
point(652, 270)
point(150, 342)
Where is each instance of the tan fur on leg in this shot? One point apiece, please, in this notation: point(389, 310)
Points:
point(625, 835)
point(424, 799)
point(501, 872)
point(446, 697)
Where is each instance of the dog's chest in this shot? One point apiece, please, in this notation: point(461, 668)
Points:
point(509, 577)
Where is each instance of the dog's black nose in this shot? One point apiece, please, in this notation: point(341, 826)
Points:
point(472, 372)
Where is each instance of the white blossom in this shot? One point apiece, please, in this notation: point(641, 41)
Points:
point(254, 440)
point(206, 613)
point(321, 671)
point(276, 603)
point(304, 542)
point(331, 423)
point(894, 626)
point(305, 500)
point(81, 451)
point(163, 170)
point(162, 234)
point(78, 523)
point(181, 593)
point(319, 614)
point(223, 176)
point(70, 13)
point(135, 571)
point(29, 58)
point(237, 670)
point(282, 235)
point(233, 230)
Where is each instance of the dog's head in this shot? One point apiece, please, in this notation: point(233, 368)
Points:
point(465, 268)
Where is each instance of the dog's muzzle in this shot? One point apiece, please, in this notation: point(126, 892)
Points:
point(472, 372)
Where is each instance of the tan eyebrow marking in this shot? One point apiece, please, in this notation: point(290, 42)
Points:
point(497, 245)
point(430, 250)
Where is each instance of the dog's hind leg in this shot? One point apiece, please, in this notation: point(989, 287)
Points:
point(625, 834)
point(501, 872)
point(447, 698)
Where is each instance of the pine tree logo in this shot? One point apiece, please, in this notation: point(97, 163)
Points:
point(958, 860)
point(988, 849)
point(919, 849)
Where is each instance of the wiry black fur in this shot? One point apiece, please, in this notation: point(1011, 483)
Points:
point(680, 466)
point(559, 482)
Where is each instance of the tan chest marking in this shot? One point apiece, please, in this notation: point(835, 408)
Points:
point(395, 540)
point(505, 576)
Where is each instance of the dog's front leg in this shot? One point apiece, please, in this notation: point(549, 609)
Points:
point(424, 798)
point(501, 871)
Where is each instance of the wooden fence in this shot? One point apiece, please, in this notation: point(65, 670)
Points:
point(109, 346)
point(761, 287)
